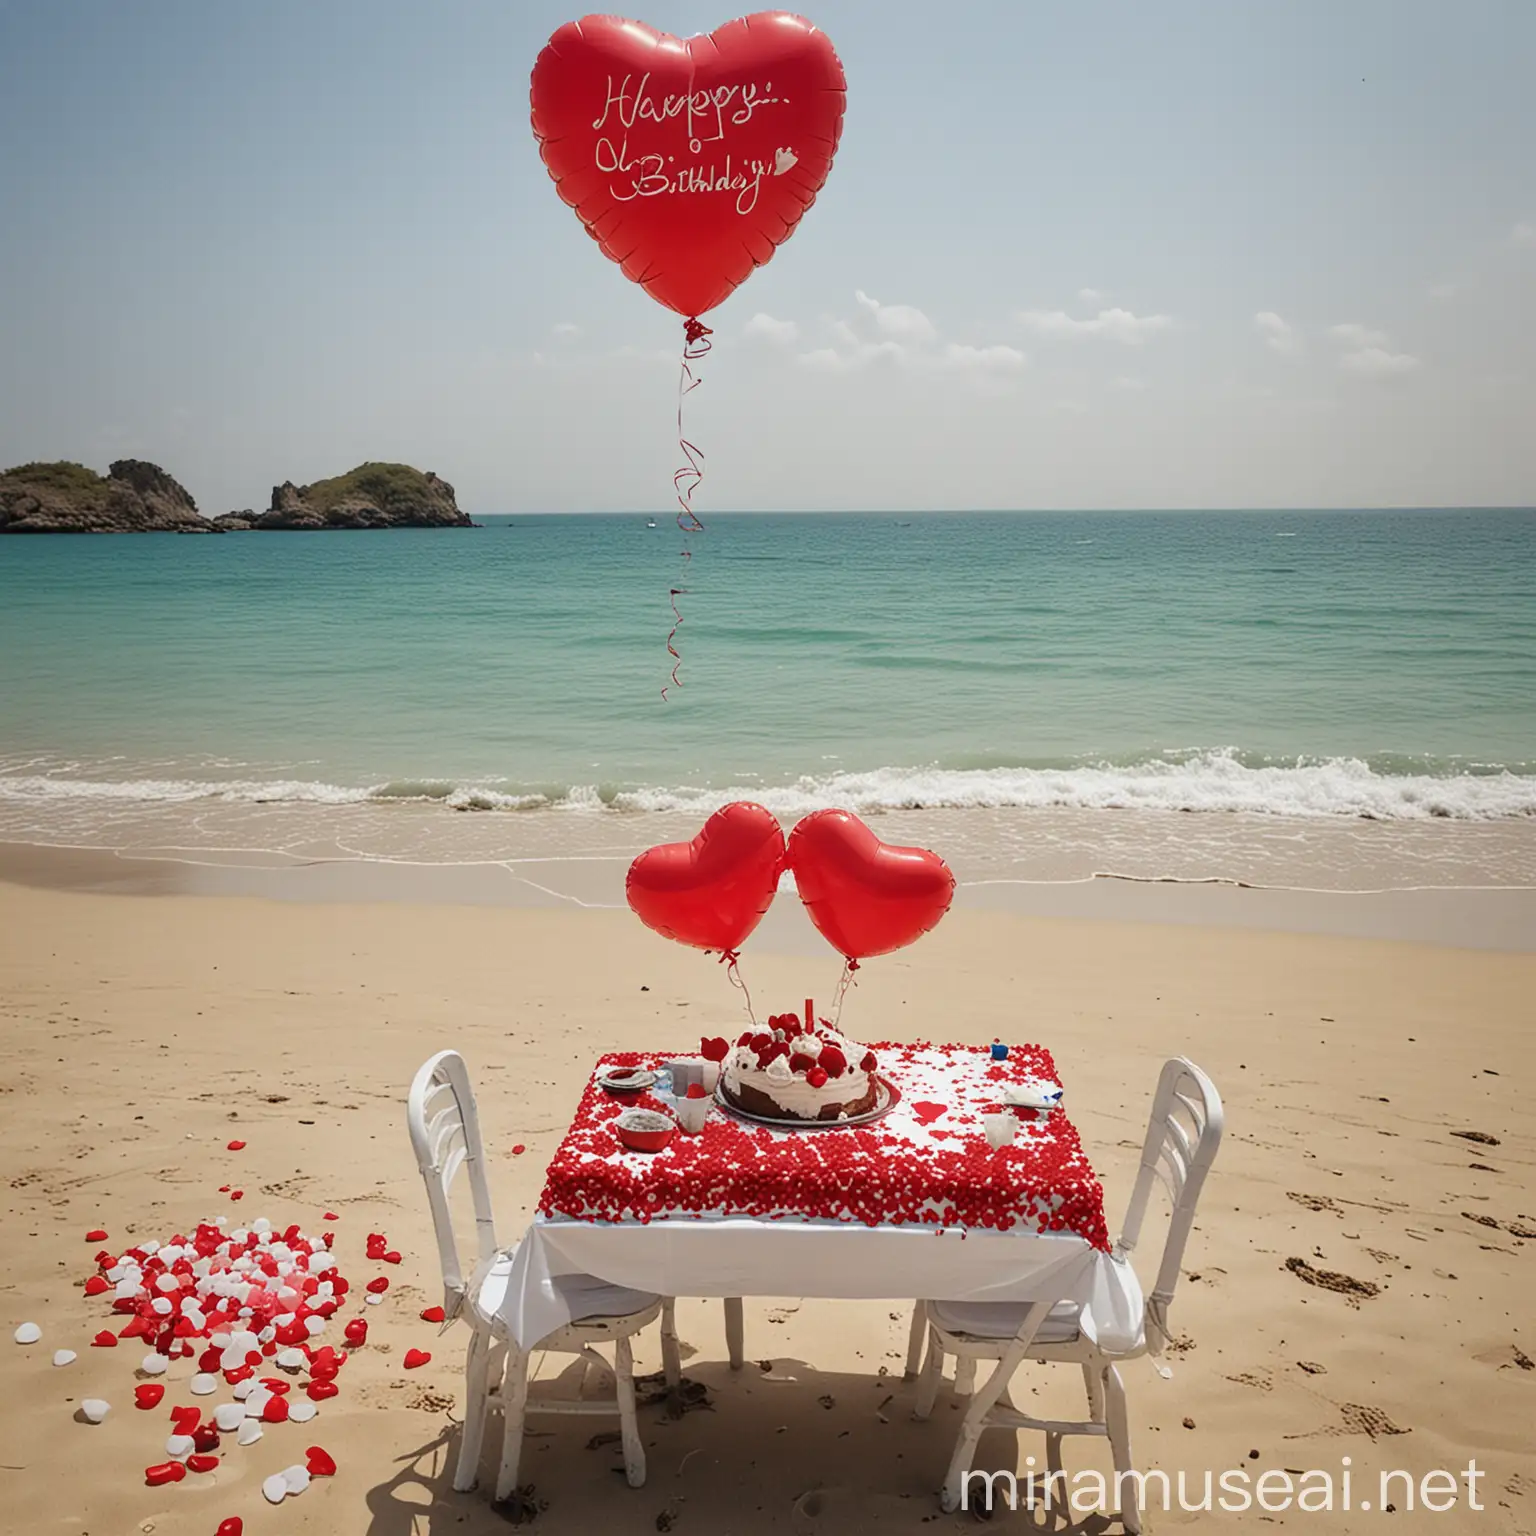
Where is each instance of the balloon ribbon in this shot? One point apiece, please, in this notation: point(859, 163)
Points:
point(686, 481)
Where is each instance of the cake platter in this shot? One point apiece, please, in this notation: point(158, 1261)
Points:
point(887, 1097)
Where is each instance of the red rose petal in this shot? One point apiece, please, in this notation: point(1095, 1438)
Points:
point(392, 1257)
point(236, 1146)
point(356, 1332)
point(379, 1286)
point(331, 1216)
point(106, 1339)
point(433, 1315)
point(234, 1526)
point(202, 1463)
point(318, 1391)
point(96, 1235)
point(96, 1285)
point(274, 1410)
point(148, 1394)
point(319, 1462)
point(518, 1149)
point(165, 1472)
point(415, 1358)
point(237, 1194)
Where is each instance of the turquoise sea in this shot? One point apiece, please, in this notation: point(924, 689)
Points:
point(1375, 664)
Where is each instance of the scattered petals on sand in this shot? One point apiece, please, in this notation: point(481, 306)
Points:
point(236, 1146)
point(28, 1333)
point(96, 1285)
point(379, 1286)
point(249, 1432)
point(320, 1462)
point(202, 1463)
point(296, 1477)
point(95, 1409)
point(164, 1472)
point(275, 1489)
point(518, 1149)
point(237, 1194)
point(415, 1358)
point(432, 1315)
point(96, 1235)
point(179, 1447)
point(331, 1216)
point(356, 1331)
point(233, 1526)
point(106, 1339)
point(64, 1357)
point(148, 1394)
point(229, 1416)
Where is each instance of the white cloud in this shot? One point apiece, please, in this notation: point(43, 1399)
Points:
point(994, 359)
point(1367, 352)
point(1377, 363)
point(1108, 325)
point(901, 322)
point(1279, 335)
point(1524, 233)
point(566, 328)
point(1090, 295)
point(1353, 335)
point(765, 328)
point(899, 335)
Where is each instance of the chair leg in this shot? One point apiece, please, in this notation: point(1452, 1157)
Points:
point(1093, 1380)
point(915, 1341)
point(514, 1400)
point(971, 1427)
point(735, 1332)
point(965, 1376)
point(1120, 1445)
point(476, 1378)
point(929, 1377)
point(629, 1430)
point(671, 1361)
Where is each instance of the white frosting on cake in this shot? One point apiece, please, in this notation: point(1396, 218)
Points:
point(788, 1089)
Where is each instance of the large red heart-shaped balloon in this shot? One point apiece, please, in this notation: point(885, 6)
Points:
point(689, 161)
point(712, 892)
point(866, 897)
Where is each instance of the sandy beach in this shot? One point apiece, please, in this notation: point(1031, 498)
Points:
point(1380, 1129)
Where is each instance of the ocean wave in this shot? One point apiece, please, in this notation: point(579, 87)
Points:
point(1207, 781)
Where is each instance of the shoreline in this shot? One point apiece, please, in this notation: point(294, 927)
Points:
point(1491, 918)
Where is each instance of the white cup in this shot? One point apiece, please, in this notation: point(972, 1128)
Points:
point(711, 1075)
point(691, 1114)
point(684, 1070)
point(1000, 1129)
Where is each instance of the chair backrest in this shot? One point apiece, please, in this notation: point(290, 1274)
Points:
point(1182, 1137)
point(445, 1132)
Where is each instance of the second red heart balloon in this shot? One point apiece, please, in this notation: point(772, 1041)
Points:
point(866, 897)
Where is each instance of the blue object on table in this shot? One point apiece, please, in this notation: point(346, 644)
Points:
point(999, 1052)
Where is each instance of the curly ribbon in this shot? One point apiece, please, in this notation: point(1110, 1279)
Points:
point(850, 965)
point(685, 482)
point(731, 959)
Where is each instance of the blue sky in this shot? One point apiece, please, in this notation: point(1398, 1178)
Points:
point(1070, 255)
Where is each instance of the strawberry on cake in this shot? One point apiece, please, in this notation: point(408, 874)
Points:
point(793, 1070)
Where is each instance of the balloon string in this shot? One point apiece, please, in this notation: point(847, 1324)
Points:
point(686, 481)
point(844, 982)
point(731, 960)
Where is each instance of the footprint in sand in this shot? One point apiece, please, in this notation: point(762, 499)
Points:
point(1347, 1286)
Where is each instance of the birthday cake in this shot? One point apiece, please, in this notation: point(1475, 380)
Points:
point(792, 1069)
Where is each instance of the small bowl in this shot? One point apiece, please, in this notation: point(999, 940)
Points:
point(644, 1130)
point(626, 1082)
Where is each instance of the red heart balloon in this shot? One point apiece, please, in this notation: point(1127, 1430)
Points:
point(712, 892)
point(689, 161)
point(866, 897)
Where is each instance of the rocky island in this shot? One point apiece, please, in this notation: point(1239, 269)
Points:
point(370, 496)
point(132, 497)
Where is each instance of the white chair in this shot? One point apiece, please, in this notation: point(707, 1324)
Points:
point(445, 1132)
point(1182, 1138)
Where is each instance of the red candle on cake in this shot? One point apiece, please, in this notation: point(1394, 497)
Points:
point(810, 1017)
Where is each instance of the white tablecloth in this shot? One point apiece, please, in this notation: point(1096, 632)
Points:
point(744, 1257)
